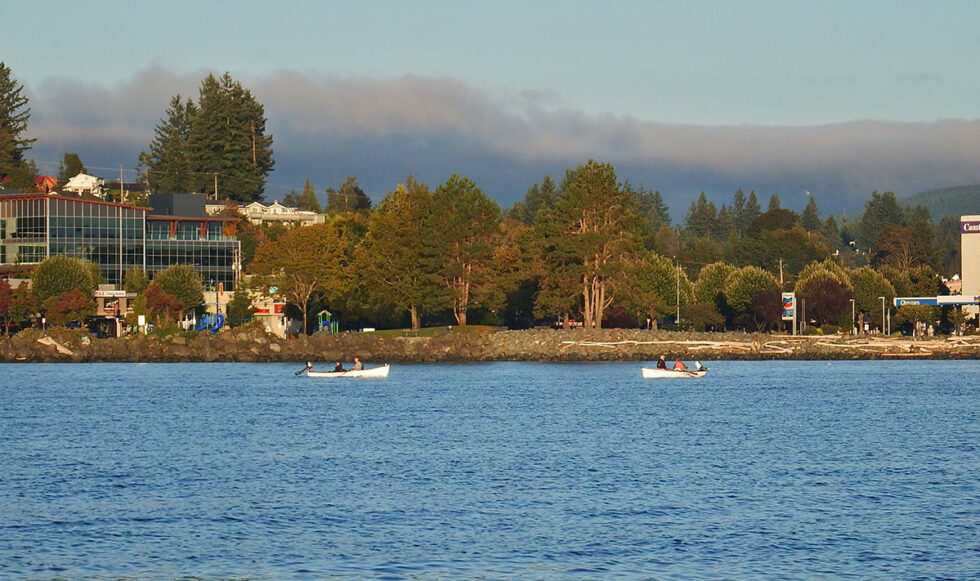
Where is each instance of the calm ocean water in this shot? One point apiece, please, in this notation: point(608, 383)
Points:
point(760, 470)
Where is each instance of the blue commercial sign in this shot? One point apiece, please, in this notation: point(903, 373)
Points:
point(931, 301)
point(789, 306)
point(950, 300)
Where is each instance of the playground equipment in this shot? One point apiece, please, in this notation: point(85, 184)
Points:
point(211, 322)
point(326, 322)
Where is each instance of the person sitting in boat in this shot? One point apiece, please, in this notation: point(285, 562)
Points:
point(661, 363)
point(338, 368)
point(679, 366)
point(309, 366)
point(357, 365)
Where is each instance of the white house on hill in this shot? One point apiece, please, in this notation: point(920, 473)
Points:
point(85, 184)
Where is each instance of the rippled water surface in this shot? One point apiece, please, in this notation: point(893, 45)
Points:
point(790, 470)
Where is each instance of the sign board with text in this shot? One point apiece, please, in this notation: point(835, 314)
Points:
point(789, 306)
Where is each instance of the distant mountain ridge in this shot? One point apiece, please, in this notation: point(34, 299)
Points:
point(958, 201)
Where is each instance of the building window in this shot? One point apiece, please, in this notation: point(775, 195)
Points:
point(188, 230)
point(30, 254)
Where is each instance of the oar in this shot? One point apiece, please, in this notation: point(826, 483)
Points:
point(301, 371)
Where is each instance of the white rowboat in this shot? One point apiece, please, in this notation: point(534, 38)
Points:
point(379, 372)
point(655, 373)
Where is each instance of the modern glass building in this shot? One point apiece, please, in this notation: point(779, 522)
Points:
point(205, 244)
point(117, 236)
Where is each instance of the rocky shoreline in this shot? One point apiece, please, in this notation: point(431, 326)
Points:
point(65, 345)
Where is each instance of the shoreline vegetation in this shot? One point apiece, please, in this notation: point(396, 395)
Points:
point(462, 344)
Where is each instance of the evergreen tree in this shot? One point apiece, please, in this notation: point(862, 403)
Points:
point(745, 211)
point(71, 166)
point(240, 309)
point(538, 196)
point(349, 198)
point(651, 206)
point(880, 211)
point(307, 201)
point(948, 239)
point(652, 210)
point(398, 261)
point(774, 203)
point(810, 219)
point(14, 115)
point(291, 200)
point(585, 240)
point(227, 140)
point(464, 221)
point(831, 231)
point(168, 163)
point(726, 223)
point(702, 218)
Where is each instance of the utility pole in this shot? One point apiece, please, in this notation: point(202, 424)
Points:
point(122, 190)
point(677, 276)
point(215, 186)
point(780, 272)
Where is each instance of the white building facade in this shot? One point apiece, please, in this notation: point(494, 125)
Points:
point(970, 257)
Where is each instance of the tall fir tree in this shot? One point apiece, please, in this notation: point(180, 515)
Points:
point(464, 222)
point(584, 240)
point(702, 218)
point(880, 211)
point(307, 200)
point(538, 196)
point(168, 163)
point(71, 166)
point(349, 198)
point(774, 203)
point(219, 146)
point(653, 213)
point(745, 211)
point(398, 262)
point(14, 114)
point(810, 218)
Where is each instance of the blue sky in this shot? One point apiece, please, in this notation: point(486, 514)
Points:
point(836, 98)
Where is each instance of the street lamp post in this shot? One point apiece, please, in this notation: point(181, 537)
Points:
point(853, 332)
point(882, 315)
point(677, 276)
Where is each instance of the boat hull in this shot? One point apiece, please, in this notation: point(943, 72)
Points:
point(377, 372)
point(655, 373)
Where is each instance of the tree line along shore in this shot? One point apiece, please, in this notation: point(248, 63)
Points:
point(589, 245)
point(545, 345)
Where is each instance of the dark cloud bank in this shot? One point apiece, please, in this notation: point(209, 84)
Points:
point(327, 128)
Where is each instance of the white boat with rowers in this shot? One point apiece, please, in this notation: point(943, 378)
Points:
point(662, 373)
point(379, 372)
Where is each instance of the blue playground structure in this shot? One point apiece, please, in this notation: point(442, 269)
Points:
point(211, 322)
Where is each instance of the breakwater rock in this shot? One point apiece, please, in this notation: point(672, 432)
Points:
point(65, 345)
